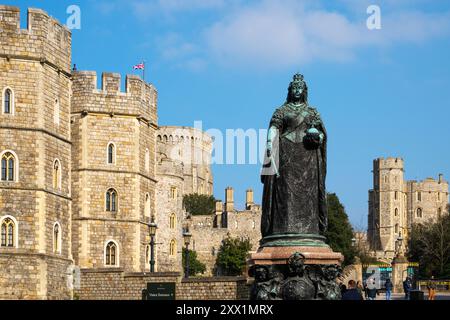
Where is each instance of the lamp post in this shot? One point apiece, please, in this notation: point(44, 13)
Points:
point(187, 240)
point(353, 242)
point(152, 227)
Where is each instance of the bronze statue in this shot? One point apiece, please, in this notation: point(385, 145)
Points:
point(294, 197)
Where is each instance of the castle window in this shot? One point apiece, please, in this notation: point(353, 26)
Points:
point(111, 153)
point(56, 113)
point(147, 210)
point(173, 192)
point(111, 254)
point(8, 232)
point(439, 212)
point(56, 174)
point(396, 228)
point(8, 101)
point(9, 167)
point(172, 247)
point(419, 213)
point(56, 238)
point(147, 160)
point(419, 196)
point(396, 195)
point(172, 221)
point(396, 212)
point(439, 196)
point(111, 200)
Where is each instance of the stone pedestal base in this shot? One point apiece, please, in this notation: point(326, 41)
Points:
point(295, 273)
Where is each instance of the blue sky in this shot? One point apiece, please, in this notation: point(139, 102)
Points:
point(228, 63)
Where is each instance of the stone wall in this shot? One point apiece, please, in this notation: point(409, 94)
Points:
point(107, 284)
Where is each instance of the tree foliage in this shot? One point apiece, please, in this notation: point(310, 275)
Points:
point(429, 245)
point(199, 204)
point(195, 265)
point(232, 256)
point(340, 232)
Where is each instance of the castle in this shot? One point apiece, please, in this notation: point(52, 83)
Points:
point(84, 170)
point(396, 204)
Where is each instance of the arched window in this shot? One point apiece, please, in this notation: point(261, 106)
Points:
point(147, 160)
point(173, 192)
point(8, 232)
point(173, 221)
point(419, 212)
point(56, 174)
point(56, 238)
point(8, 101)
point(111, 254)
point(9, 167)
point(396, 228)
point(396, 195)
point(147, 209)
point(111, 200)
point(111, 153)
point(56, 113)
point(173, 247)
point(396, 212)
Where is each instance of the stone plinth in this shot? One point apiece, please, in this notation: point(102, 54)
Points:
point(280, 255)
point(297, 272)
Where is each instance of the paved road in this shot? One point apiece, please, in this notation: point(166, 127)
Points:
point(397, 296)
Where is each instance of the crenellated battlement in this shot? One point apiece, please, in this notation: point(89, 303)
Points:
point(139, 98)
point(45, 39)
point(388, 163)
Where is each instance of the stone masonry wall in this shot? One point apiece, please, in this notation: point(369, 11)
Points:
point(107, 284)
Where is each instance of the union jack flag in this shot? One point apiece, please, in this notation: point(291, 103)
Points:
point(139, 66)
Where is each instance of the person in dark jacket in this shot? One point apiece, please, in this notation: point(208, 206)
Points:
point(388, 286)
point(407, 285)
point(352, 292)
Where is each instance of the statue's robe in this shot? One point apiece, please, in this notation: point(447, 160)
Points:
point(295, 200)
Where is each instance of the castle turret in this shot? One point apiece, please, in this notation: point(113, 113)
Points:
point(249, 199)
point(35, 146)
point(229, 199)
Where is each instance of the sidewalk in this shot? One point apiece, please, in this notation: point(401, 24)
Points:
point(400, 296)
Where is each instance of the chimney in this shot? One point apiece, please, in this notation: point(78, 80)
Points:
point(440, 177)
point(218, 218)
point(229, 199)
point(249, 199)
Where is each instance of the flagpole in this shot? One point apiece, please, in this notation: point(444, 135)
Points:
point(143, 71)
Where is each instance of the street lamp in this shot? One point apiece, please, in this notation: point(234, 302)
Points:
point(152, 231)
point(187, 240)
point(353, 242)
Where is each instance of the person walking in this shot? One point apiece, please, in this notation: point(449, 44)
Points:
point(360, 288)
point(352, 292)
point(371, 289)
point(388, 286)
point(431, 286)
point(407, 287)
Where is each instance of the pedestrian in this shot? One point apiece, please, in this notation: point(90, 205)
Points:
point(343, 289)
point(388, 286)
point(431, 286)
point(360, 288)
point(407, 287)
point(366, 292)
point(371, 289)
point(352, 292)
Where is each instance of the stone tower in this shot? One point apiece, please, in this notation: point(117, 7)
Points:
point(35, 152)
point(387, 206)
point(183, 167)
point(395, 204)
point(113, 135)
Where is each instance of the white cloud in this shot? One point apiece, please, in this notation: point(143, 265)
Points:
point(285, 33)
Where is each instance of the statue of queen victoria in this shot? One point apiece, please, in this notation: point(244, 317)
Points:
point(294, 197)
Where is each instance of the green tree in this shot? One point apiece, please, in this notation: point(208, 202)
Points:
point(232, 256)
point(195, 265)
point(199, 204)
point(429, 244)
point(340, 232)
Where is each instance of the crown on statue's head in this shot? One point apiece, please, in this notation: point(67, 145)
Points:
point(297, 80)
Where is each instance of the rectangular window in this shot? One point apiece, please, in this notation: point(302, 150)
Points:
point(173, 192)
